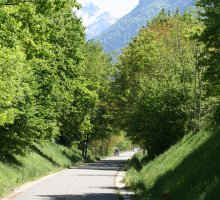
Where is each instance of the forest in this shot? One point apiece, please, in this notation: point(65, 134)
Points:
point(56, 86)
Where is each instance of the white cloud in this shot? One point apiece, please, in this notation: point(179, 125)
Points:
point(117, 8)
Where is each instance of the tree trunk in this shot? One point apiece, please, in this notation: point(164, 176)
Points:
point(86, 145)
point(107, 146)
point(198, 87)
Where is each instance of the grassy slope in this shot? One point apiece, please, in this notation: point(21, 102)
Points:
point(44, 159)
point(189, 170)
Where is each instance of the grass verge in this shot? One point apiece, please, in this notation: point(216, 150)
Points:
point(42, 160)
point(190, 170)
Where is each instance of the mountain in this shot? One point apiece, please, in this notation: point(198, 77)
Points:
point(102, 22)
point(116, 36)
point(95, 20)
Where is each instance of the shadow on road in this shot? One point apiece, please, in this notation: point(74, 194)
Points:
point(112, 165)
point(103, 196)
point(111, 188)
point(87, 175)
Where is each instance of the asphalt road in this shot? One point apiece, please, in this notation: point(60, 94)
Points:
point(94, 181)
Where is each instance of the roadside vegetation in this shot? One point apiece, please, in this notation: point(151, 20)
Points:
point(162, 92)
point(176, 118)
point(189, 170)
point(54, 87)
point(41, 160)
point(54, 84)
point(47, 158)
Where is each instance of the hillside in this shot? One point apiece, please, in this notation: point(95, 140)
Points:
point(189, 170)
point(117, 35)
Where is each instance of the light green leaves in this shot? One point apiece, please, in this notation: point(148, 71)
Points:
point(12, 87)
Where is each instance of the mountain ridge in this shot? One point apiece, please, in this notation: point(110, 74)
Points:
point(95, 19)
point(117, 35)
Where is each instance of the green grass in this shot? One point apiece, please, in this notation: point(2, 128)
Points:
point(42, 160)
point(189, 170)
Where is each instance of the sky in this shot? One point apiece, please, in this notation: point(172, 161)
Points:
point(117, 8)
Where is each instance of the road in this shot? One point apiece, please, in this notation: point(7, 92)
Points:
point(94, 181)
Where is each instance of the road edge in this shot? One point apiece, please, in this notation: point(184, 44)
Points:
point(28, 185)
point(121, 190)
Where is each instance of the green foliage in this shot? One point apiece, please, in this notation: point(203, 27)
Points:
point(87, 120)
point(15, 90)
point(99, 70)
point(77, 121)
point(155, 82)
point(46, 73)
point(13, 73)
point(210, 13)
point(53, 85)
point(188, 170)
point(135, 162)
point(123, 143)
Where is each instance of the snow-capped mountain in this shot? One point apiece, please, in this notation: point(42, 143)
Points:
point(95, 20)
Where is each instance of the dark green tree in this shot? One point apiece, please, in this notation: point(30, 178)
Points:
point(210, 14)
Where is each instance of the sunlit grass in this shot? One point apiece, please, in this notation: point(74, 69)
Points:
point(43, 160)
point(189, 170)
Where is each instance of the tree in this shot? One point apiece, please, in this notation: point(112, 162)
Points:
point(51, 58)
point(210, 14)
point(98, 70)
point(155, 82)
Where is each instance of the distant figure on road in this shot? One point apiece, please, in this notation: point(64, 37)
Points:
point(136, 149)
point(116, 152)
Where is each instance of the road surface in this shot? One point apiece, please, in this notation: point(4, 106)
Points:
point(94, 181)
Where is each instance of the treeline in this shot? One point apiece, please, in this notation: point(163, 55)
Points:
point(56, 86)
point(167, 83)
point(53, 84)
